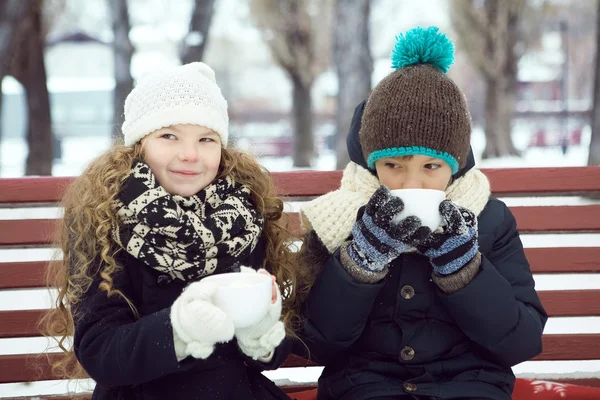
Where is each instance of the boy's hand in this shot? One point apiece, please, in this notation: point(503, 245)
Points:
point(376, 240)
point(457, 244)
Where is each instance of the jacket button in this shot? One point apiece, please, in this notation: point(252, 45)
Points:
point(407, 353)
point(163, 280)
point(410, 387)
point(407, 292)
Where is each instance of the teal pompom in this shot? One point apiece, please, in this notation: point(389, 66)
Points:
point(423, 46)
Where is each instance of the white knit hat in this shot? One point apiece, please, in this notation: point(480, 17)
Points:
point(187, 94)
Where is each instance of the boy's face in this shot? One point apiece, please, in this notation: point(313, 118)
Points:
point(413, 172)
point(184, 158)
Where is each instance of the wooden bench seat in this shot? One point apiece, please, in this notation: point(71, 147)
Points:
point(581, 215)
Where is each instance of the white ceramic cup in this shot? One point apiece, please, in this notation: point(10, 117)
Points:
point(245, 297)
point(422, 203)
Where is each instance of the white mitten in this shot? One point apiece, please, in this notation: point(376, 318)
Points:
point(197, 323)
point(260, 340)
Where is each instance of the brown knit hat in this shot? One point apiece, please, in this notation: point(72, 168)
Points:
point(417, 109)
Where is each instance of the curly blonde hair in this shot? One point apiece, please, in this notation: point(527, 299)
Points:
point(84, 236)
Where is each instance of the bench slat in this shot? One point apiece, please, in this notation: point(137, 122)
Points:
point(43, 189)
point(529, 219)
point(536, 181)
point(558, 303)
point(556, 347)
point(23, 275)
point(20, 323)
point(557, 218)
point(564, 259)
point(27, 232)
point(566, 347)
point(26, 368)
point(51, 189)
point(313, 183)
point(571, 303)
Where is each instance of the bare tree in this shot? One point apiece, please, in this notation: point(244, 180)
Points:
point(594, 155)
point(28, 67)
point(580, 17)
point(123, 52)
point(195, 42)
point(12, 13)
point(353, 63)
point(490, 33)
point(291, 29)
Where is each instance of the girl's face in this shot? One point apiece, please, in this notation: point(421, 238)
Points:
point(413, 172)
point(184, 158)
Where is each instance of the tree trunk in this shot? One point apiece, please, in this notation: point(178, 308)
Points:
point(1, 114)
point(194, 43)
point(594, 155)
point(123, 52)
point(354, 66)
point(499, 106)
point(490, 34)
point(506, 110)
point(39, 128)
point(12, 13)
point(491, 119)
point(304, 145)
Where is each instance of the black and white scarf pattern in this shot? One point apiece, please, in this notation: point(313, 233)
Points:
point(186, 237)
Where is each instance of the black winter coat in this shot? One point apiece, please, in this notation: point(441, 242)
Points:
point(135, 359)
point(405, 337)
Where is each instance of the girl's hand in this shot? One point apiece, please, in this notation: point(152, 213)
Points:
point(198, 324)
point(260, 341)
point(274, 287)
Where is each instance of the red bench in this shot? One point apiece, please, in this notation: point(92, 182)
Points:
point(20, 234)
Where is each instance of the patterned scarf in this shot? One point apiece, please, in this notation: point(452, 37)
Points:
point(186, 237)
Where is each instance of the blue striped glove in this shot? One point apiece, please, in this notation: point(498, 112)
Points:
point(457, 245)
point(377, 241)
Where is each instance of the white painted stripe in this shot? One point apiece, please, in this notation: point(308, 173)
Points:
point(45, 388)
point(30, 213)
point(26, 299)
point(566, 281)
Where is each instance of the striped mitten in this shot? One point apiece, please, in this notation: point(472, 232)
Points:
point(376, 240)
point(457, 245)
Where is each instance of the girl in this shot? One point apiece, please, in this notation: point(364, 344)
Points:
point(395, 310)
point(143, 224)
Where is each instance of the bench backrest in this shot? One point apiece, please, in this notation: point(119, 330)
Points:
point(22, 233)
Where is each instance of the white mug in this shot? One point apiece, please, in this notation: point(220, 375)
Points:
point(422, 203)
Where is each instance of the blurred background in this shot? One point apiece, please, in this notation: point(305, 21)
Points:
point(293, 72)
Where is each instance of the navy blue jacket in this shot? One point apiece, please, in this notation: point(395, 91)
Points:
point(403, 336)
point(135, 359)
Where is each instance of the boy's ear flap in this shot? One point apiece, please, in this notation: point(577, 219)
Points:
point(353, 138)
point(468, 166)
